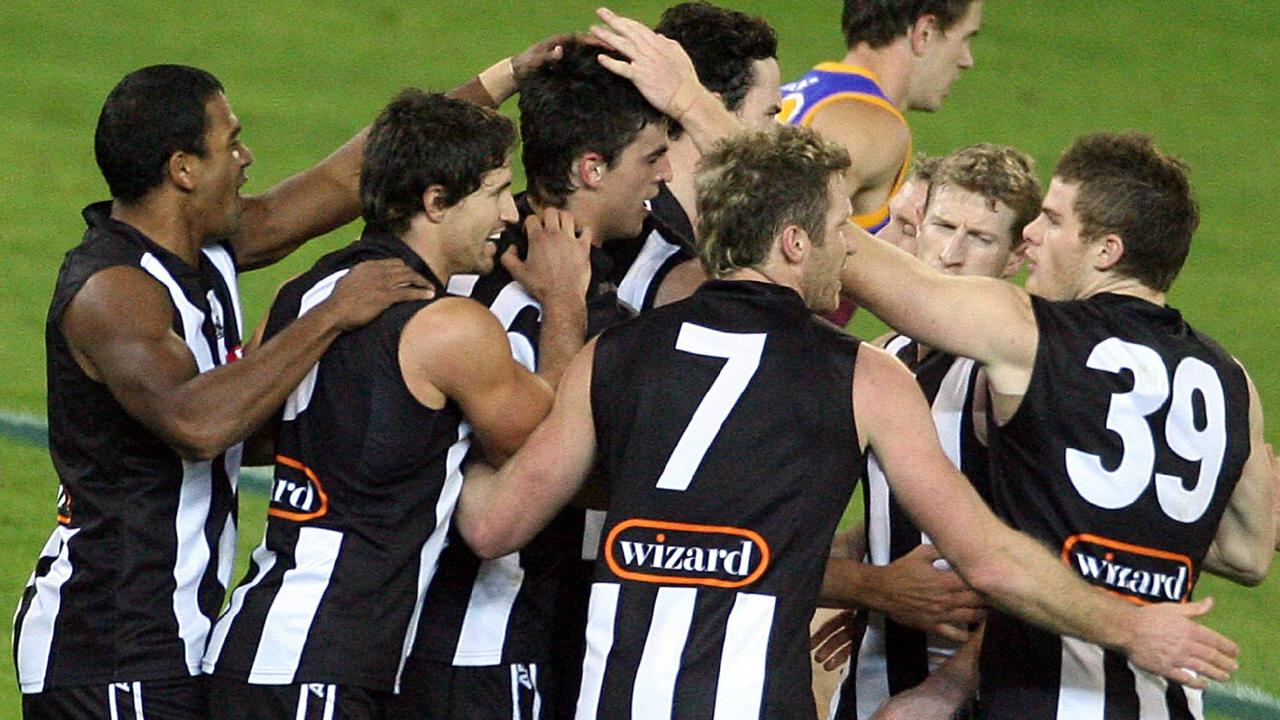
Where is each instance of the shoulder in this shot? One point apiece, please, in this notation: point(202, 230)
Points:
point(450, 324)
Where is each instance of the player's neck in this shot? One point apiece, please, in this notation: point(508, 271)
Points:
point(1122, 285)
point(423, 238)
point(161, 220)
point(684, 157)
point(585, 213)
point(766, 274)
point(892, 69)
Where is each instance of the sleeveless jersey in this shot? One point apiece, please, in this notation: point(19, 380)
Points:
point(1122, 457)
point(366, 479)
point(833, 82)
point(893, 657)
point(725, 426)
point(134, 573)
point(667, 209)
point(500, 611)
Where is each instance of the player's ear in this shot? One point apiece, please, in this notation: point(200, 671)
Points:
point(1016, 258)
point(793, 242)
point(589, 169)
point(183, 170)
point(1108, 251)
point(922, 31)
point(434, 203)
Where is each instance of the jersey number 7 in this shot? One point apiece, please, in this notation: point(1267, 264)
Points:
point(742, 351)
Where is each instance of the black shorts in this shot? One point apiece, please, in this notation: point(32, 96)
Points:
point(176, 699)
point(238, 700)
point(439, 691)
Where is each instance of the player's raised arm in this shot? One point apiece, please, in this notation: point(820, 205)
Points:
point(1016, 573)
point(1242, 548)
point(983, 318)
point(327, 195)
point(499, 511)
point(664, 74)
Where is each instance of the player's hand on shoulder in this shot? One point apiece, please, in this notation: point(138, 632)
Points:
point(557, 267)
point(373, 286)
point(1169, 642)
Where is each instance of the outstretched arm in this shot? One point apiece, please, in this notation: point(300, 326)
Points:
point(986, 319)
point(500, 511)
point(120, 329)
point(1243, 546)
point(327, 196)
point(1016, 573)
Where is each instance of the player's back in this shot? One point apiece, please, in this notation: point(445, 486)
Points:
point(726, 429)
point(1122, 457)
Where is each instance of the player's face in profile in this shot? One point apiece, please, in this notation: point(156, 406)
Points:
point(963, 234)
point(763, 101)
point(220, 172)
point(477, 218)
point(905, 208)
point(822, 273)
point(1057, 256)
point(947, 54)
point(633, 178)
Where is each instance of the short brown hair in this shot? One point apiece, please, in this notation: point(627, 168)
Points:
point(879, 22)
point(998, 173)
point(752, 185)
point(1128, 187)
point(924, 168)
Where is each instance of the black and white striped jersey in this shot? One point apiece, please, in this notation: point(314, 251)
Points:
point(667, 209)
point(1122, 457)
point(500, 611)
point(129, 583)
point(725, 425)
point(893, 657)
point(366, 479)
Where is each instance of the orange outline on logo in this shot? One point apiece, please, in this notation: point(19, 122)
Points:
point(324, 499)
point(685, 527)
point(1136, 550)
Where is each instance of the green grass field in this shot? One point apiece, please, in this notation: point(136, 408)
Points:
point(304, 76)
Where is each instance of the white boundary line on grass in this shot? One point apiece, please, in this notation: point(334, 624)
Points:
point(1258, 705)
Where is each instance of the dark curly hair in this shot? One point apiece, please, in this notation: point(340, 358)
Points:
point(722, 43)
point(573, 106)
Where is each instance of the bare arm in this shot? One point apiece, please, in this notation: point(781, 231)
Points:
point(986, 319)
point(912, 590)
point(557, 271)
point(1243, 546)
point(456, 349)
point(327, 196)
point(119, 327)
point(665, 76)
point(500, 511)
point(877, 144)
point(1016, 573)
point(943, 692)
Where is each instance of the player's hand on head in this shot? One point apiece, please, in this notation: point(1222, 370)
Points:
point(548, 50)
point(557, 267)
point(658, 66)
point(923, 592)
point(832, 642)
point(373, 286)
point(1168, 642)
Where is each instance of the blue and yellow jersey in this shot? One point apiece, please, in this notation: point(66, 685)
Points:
point(833, 82)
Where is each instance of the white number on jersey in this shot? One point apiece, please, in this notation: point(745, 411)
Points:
point(742, 351)
point(1127, 417)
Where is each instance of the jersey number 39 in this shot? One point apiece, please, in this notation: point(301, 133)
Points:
point(1127, 417)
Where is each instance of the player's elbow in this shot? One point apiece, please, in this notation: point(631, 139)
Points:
point(198, 440)
point(486, 538)
point(1248, 570)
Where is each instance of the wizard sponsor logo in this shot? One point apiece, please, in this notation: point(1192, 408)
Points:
point(296, 493)
point(672, 553)
point(1139, 574)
